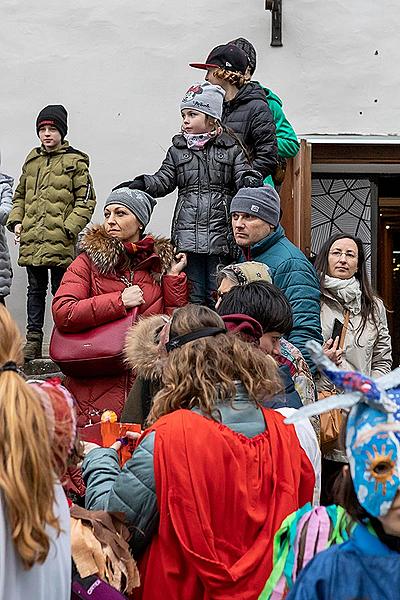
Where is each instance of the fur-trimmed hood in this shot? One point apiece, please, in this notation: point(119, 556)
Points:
point(106, 251)
point(141, 347)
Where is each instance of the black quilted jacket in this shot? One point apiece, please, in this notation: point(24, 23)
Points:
point(249, 116)
point(206, 180)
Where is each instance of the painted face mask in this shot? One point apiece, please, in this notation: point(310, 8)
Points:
point(372, 432)
point(373, 450)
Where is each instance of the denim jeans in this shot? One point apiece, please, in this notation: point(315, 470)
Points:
point(201, 271)
point(38, 280)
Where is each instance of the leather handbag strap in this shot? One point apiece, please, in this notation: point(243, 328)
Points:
point(345, 327)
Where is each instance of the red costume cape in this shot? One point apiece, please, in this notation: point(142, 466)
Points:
point(221, 498)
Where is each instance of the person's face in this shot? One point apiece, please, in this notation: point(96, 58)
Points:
point(50, 137)
point(211, 78)
point(391, 521)
point(194, 121)
point(121, 223)
point(343, 259)
point(249, 230)
point(271, 343)
point(224, 287)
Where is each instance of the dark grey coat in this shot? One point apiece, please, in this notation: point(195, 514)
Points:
point(206, 180)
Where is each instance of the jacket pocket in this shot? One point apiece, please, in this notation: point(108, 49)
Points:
point(223, 157)
point(184, 157)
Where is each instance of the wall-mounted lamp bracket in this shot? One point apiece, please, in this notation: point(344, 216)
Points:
point(275, 6)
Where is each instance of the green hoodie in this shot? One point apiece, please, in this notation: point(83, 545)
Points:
point(288, 145)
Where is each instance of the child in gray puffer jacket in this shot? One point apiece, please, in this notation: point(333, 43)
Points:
point(208, 166)
point(6, 183)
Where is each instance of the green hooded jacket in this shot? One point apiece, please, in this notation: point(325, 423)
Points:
point(54, 201)
point(288, 144)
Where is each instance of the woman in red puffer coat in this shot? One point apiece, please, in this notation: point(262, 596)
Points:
point(119, 268)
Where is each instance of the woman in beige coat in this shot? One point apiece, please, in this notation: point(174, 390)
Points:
point(354, 325)
point(346, 291)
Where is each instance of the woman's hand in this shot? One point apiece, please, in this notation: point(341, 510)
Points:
point(132, 296)
point(332, 351)
point(131, 435)
point(17, 233)
point(178, 264)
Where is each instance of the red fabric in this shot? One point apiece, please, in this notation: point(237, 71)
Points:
point(221, 498)
point(86, 298)
point(142, 249)
point(245, 326)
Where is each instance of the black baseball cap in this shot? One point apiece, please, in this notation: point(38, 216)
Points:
point(226, 56)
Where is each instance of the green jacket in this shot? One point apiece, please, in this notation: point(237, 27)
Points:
point(54, 201)
point(288, 144)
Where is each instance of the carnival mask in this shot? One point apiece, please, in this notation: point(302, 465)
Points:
point(372, 432)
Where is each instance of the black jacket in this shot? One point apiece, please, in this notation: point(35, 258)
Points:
point(207, 180)
point(249, 116)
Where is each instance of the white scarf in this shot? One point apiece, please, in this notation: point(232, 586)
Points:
point(347, 291)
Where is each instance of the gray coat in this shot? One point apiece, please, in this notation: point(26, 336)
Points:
point(206, 180)
point(6, 195)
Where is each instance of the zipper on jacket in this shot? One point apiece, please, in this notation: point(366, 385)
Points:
point(37, 181)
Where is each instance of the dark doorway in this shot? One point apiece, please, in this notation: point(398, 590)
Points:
point(388, 255)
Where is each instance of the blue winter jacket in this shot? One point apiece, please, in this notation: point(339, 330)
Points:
point(293, 273)
point(132, 489)
point(363, 568)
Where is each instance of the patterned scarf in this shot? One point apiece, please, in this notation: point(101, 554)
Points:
point(197, 141)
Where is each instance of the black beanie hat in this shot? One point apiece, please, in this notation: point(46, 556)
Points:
point(56, 115)
point(249, 50)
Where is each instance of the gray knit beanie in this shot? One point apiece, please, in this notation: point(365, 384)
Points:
point(262, 202)
point(139, 203)
point(206, 98)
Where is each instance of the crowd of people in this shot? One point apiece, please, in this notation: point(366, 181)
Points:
point(259, 383)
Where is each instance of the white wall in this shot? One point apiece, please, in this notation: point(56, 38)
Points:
point(121, 66)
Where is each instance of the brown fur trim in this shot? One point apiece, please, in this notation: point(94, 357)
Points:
point(105, 251)
point(141, 349)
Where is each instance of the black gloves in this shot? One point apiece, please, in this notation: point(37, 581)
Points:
point(253, 179)
point(135, 184)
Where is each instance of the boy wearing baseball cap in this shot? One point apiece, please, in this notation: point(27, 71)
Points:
point(245, 109)
point(53, 202)
point(207, 166)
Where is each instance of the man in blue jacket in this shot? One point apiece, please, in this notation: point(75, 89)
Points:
point(255, 216)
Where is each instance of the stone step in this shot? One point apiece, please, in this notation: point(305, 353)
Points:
point(42, 368)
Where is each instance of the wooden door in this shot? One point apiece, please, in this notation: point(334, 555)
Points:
point(295, 196)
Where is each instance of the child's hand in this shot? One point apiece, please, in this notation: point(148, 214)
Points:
point(88, 446)
point(122, 185)
point(178, 264)
point(17, 233)
point(130, 435)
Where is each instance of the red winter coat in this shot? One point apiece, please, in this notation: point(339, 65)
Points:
point(90, 295)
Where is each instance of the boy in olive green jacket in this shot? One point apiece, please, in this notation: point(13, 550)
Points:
point(53, 202)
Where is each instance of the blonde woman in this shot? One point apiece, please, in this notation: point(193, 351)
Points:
point(213, 475)
point(36, 434)
point(245, 109)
